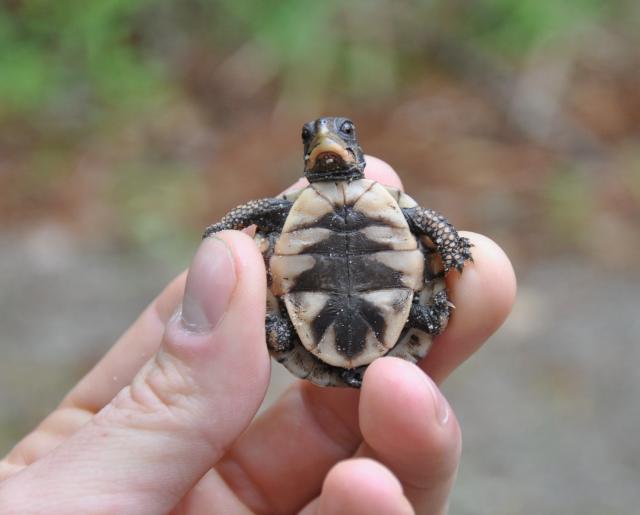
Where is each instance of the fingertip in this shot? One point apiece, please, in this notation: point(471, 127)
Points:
point(233, 328)
point(362, 486)
point(491, 276)
point(492, 263)
point(409, 426)
point(382, 172)
point(400, 399)
point(246, 254)
point(366, 470)
point(245, 307)
point(483, 294)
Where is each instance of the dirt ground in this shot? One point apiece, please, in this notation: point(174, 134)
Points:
point(548, 408)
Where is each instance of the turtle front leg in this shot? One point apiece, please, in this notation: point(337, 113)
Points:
point(268, 214)
point(281, 334)
point(454, 249)
point(431, 319)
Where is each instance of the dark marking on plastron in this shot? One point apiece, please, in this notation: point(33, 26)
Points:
point(352, 318)
point(371, 313)
point(325, 318)
point(347, 274)
point(351, 244)
point(345, 261)
point(346, 219)
point(342, 219)
point(346, 237)
point(368, 274)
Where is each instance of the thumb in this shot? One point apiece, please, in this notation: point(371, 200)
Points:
point(186, 406)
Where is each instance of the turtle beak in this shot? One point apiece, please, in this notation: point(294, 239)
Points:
point(328, 152)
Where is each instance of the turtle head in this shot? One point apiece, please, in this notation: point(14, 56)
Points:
point(331, 150)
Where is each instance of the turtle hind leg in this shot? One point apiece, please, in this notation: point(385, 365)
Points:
point(281, 334)
point(433, 318)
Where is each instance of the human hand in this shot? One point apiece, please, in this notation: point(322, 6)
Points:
point(163, 423)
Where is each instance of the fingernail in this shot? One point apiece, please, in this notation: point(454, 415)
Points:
point(210, 284)
point(440, 404)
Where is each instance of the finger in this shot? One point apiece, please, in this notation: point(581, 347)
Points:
point(380, 171)
point(278, 465)
point(408, 426)
point(483, 295)
point(265, 465)
point(360, 486)
point(159, 435)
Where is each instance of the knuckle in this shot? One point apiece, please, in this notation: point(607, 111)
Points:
point(163, 394)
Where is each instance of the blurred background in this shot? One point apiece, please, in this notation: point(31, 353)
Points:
point(126, 126)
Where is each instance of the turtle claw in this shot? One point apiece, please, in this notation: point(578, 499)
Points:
point(454, 250)
point(456, 254)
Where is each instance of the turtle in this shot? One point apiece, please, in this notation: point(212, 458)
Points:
point(355, 269)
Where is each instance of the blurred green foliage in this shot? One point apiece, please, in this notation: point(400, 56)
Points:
point(513, 27)
point(87, 57)
point(57, 56)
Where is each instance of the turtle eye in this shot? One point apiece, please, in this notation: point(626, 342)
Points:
point(348, 128)
point(306, 133)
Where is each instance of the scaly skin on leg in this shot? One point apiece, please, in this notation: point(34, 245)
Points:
point(454, 249)
point(269, 214)
point(432, 318)
point(280, 332)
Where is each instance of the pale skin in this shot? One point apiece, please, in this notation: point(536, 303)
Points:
point(164, 423)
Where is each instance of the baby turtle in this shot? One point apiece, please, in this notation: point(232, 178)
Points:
point(355, 269)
